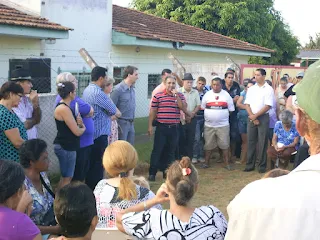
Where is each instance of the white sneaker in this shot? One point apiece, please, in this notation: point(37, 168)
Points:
point(202, 160)
point(194, 160)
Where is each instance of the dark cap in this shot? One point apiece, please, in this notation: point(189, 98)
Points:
point(20, 74)
point(187, 76)
point(230, 70)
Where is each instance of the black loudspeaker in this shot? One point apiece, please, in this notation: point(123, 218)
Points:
point(40, 70)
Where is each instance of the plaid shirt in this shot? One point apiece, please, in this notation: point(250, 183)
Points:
point(103, 107)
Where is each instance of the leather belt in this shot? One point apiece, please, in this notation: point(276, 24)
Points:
point(128, 120)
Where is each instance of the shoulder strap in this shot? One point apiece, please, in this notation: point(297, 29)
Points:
point(46, 186)
point(59, 103)
point(62, 103)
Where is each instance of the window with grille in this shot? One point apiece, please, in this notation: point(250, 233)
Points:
point(153, 81)
point(118, 74)
point(84, 79)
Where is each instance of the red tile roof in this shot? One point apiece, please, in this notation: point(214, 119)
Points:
point(146, 26)
point(11, 16)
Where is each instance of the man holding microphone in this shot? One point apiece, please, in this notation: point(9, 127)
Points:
point(28, 111)
point(165, 107)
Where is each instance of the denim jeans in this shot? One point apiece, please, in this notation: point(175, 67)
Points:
point(198, 140)
point(67, 160)
point(126, 131)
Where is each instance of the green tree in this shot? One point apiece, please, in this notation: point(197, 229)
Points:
point(314, 43)
point(254, 21)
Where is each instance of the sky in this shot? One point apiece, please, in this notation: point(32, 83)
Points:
point(302, 16)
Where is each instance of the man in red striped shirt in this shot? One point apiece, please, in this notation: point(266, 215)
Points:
point(217, 105)
point(165, 107)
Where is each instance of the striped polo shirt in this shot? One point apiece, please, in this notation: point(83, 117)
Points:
point(167, 106)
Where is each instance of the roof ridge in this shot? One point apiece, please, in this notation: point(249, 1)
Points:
point(190, 26)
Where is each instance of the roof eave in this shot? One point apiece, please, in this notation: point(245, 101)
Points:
point(119, 38)
point(308, 58)
point(32, 32)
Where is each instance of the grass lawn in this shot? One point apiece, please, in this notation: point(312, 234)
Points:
point(141, 126)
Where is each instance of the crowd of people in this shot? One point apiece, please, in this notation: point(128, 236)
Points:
point(94, 146)
point(244, 122)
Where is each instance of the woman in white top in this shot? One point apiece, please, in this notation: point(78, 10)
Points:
point(118, 192)
point(181, 221)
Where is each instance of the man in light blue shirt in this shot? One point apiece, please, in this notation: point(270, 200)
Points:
point(124, 97)
point(104, 108)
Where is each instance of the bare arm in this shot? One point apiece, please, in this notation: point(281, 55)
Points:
point(183, 106)
point(118, 113)
point(35, 119)
point(194, 112)
point(265, 109)
point(179, 81)
point(50, 229)
point(248, 108)
point(295, 142)
point(136, 208)
point(160, 198)
point(14, 136)
point(240, 104)
point(289, 105)
point(90, 114)
point(66, 115)
point(152, 117)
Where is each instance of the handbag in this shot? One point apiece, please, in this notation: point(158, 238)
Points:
point(49, 218)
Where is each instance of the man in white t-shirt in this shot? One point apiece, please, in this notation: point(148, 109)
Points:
point(259, 100)
point(217, 105)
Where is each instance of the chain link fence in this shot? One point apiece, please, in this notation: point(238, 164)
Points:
point(149, 78)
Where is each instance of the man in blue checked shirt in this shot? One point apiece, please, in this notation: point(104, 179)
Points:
point(104, 108)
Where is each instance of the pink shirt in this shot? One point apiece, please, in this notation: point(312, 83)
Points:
point(160, 88)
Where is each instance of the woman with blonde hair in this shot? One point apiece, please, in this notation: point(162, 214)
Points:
point(181, 221)
point(118, 191)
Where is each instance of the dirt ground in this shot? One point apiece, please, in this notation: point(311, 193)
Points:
point(217, 186)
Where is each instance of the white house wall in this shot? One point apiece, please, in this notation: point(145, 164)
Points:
point(154, 60)
point(16, 48)
point(92, 24)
